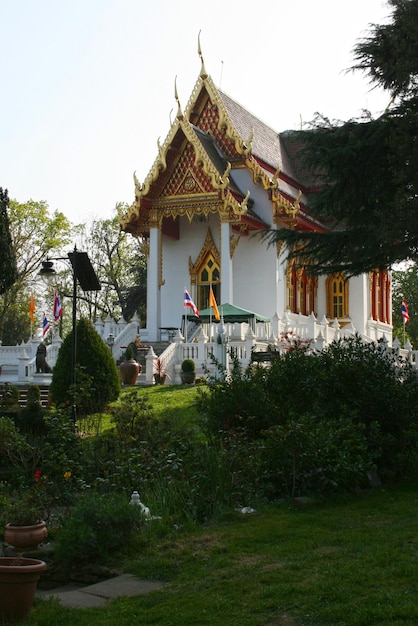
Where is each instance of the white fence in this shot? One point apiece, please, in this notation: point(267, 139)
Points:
point(18, 363)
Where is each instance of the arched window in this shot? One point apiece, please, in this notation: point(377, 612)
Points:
point(208, 274)
point(291, 287)
point(380, 296)
point(300, 289)
point(337, 296)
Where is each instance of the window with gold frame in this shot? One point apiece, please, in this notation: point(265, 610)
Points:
point(207, 275)
point(291, 287)
point(300, 290)
point(380, 295)
point(337, 296)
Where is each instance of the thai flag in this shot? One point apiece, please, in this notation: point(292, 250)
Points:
point(405, 313)
point(189, 302)
point(57, 307)
point(45, 325)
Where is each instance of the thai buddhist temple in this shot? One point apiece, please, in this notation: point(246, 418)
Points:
point(219, 178)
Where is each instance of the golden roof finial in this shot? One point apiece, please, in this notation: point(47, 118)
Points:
point(138, 188)
point(242, 208)
point(296, 206)
point(203, 72)
point(180, 115)
point(275, 180)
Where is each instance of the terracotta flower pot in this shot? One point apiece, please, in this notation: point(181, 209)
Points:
point(129, 372)
point(18, 580)
point(188, 378)
point(159, 379)
point(25, 537)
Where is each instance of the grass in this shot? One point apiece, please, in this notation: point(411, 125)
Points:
point(348, 562)
point(176, 400)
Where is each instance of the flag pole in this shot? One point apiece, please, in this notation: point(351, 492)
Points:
point(185, 317)
point(210, 314)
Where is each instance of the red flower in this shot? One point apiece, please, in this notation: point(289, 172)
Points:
point(37, 474)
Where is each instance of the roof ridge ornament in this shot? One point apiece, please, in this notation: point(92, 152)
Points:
point(275, 180)
point(242, 208)
point(180, 115)
point(161, 157)
point(203, 72)
point(248, 145)
point(138, 188)
point(224, 179)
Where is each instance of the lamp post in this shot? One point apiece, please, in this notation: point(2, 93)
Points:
point(84, 274)
point(110, 340)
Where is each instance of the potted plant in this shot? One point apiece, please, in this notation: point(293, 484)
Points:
point(188, 373)
point(18, 580)
point(129, 368)
point(160, 373)
point(26, 528)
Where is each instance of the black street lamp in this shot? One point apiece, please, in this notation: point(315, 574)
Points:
point(84, 274)
point(110, 340)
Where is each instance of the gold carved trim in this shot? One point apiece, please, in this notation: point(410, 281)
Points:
point(208, 246)
point(233, 242)
point(284, 210)
point(161, 280)
point(241, 146)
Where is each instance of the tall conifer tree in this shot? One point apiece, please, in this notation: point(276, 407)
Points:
point(365, 184)
point(8, 269)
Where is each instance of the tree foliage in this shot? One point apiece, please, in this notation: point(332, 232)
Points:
point(97, 377)
point(120, 265)
point(35, 235)
point(8, 269)
point(366, 169)
point(355, 389)
point(405, 286)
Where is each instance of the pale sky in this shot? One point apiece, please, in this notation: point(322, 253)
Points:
point(87, 86)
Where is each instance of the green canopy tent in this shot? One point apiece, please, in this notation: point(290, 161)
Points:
point(231, 314)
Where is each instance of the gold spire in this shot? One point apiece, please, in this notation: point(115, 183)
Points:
point(203, 72)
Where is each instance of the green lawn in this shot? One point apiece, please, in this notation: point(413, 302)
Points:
point(347, 562)
point(178, 401)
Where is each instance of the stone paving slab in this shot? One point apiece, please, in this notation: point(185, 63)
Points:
point(96, 595)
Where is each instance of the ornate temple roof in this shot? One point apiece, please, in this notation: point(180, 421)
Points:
point(194, 170)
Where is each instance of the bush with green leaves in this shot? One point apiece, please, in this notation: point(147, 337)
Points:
point(97, 377)
point(61, 456)
point(360, 385)
point(309, 455)
point(96, 530)
point(31, 417)
point(237, 401)
point(188, 365)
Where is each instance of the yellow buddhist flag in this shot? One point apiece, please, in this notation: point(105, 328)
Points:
point(32, 309)
point(212, 303)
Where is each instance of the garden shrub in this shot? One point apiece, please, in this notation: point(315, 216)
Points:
point(31, 417)
point(311, 456)
point(17, 456)
point(9, 396)
point(60, 461)
point(350, 385)
point(236, 401)
point(96, 530)
point(99, 383)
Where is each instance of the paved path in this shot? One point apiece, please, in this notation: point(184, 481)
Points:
point(79, 597)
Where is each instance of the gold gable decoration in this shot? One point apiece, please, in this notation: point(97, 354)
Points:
point(284, 211)
point(208, 247)
point(224, 123)
point(195, 186)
